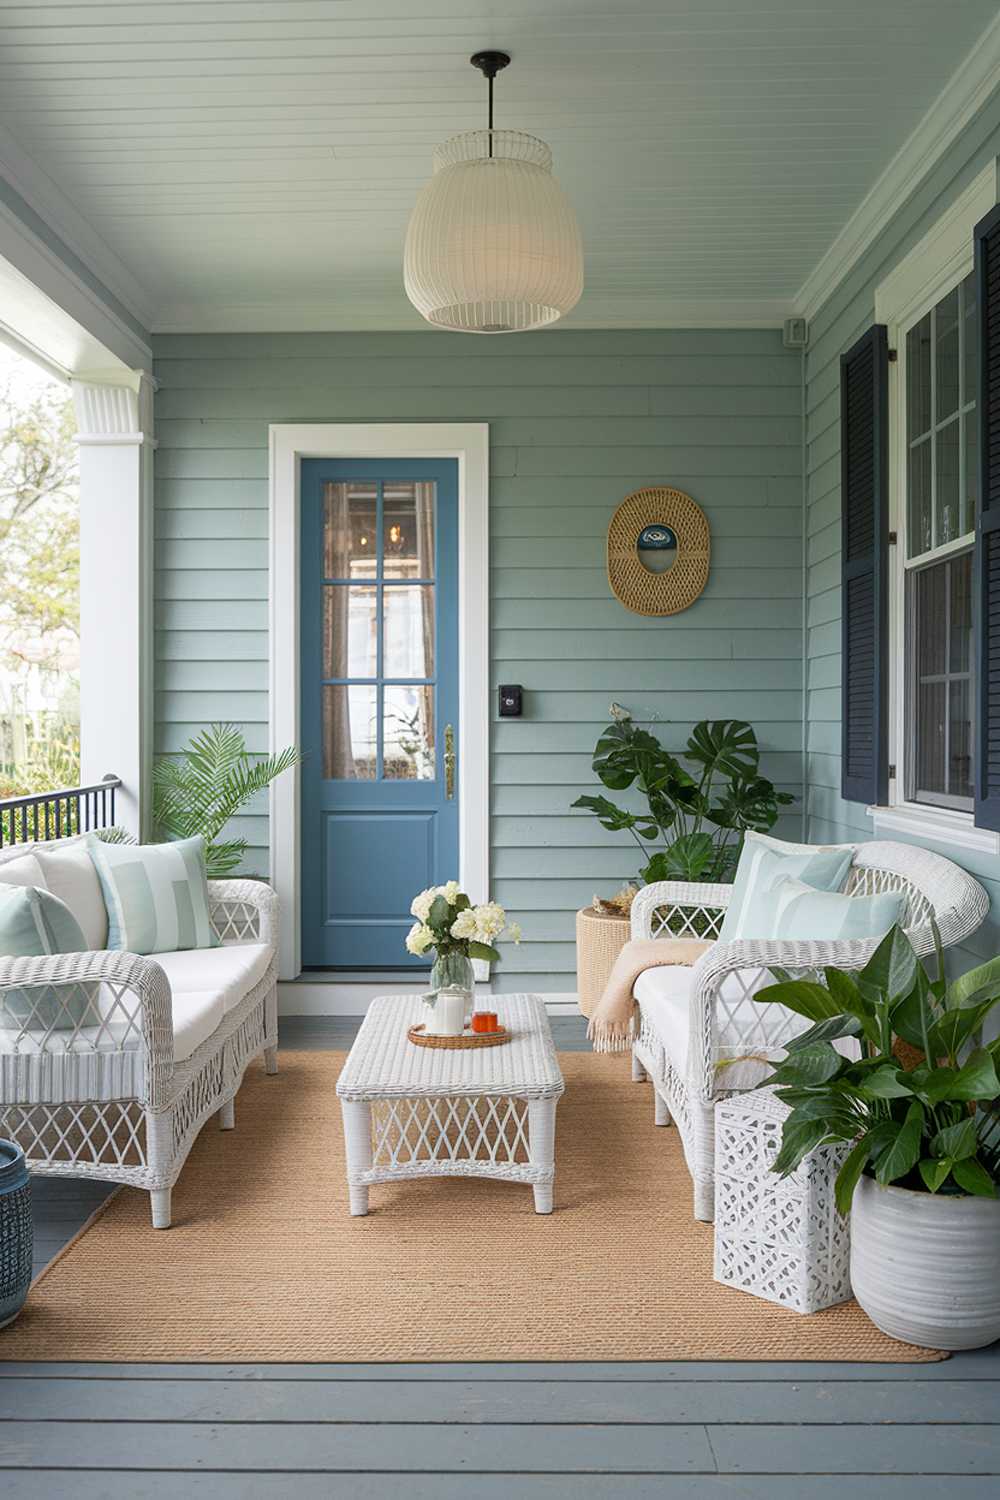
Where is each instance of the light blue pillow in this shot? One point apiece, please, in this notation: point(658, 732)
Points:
point(799, 912)
point(34, 923)
point(761, 864)
point(156, 895)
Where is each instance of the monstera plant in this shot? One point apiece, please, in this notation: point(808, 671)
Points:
point(695, 815)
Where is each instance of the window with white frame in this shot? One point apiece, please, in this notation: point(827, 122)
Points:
point(938, 355)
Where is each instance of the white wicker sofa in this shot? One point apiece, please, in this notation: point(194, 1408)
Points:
point(121, 1093)
point(702, 1037)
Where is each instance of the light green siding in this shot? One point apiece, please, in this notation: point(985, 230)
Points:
point(844, 318)
point(577, 421)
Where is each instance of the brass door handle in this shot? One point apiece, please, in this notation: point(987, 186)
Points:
point(449, 761)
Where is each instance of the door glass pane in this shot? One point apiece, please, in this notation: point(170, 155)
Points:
point(408, 623)
point(946, 461)
point(918, 378)
point(350, 539)
point(408, 529)
point(946, 355)
point(408, 734)
point(350, 733)
point(919, 533)
point(350, 631)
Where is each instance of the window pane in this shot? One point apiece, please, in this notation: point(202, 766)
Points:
point(408, 734)
point(350, 728)
point(918, 378)
point(919, 534)
point(960, 740)
point(946, 355)
point(930, 739)
point(970, 340)
point(350, 545)
point(931, 633)
point(408, 646)
point(960, 614)
point(946, 461)
point(350, 631)
point(408, 530)
point(971, 424)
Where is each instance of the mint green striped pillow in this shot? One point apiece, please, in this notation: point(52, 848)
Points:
point(34, 923)
point(798, 912)
point(156, 895)
point(761, 865)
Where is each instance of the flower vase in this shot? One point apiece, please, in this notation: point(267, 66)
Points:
point(453, 971)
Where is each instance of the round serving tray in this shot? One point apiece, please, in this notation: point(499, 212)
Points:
point(420, 1038)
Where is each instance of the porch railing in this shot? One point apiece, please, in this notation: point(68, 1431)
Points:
point(58, 815)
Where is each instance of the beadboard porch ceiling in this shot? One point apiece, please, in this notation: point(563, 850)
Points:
point(252, 165)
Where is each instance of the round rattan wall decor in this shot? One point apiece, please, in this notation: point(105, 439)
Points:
point(658, 551)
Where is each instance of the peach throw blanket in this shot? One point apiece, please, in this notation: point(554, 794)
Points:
point(614, 1023)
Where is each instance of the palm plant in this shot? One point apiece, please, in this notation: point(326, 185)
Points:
point(210, 782)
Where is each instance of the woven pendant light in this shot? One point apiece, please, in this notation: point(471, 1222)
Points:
point(493, 245)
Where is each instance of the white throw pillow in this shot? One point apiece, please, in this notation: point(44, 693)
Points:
point(69, 874)
point(796, 912)
point(761, 864)
point(25, 870)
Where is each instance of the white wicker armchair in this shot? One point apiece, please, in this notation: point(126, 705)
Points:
point(726, 1033)
point(89, 1085)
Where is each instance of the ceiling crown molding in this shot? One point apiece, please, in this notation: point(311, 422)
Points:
point(965, 93)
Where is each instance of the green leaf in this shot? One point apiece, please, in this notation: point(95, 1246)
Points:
point(797, 1139)
point(886, 1082)
point(830, 1030)
point(934, 1172)
point(690, 857)
point(912, 1017)
point(974, 985)
point(974, 1178)
point(958, 1141)
point(977, 1079)
point(902, 1153)
point(850, 1173)
point(810, 1066)
point(949, 1034)
point(483, 950)
point(892, 968)
point(440, 916)
point(727, 747)
point(813, 1001)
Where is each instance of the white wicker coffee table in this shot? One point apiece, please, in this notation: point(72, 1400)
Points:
point(466, 1112)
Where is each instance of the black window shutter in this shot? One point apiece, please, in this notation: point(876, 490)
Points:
point(986, 582)
point(864, 389)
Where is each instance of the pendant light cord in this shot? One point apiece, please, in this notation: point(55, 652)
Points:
point(489, 64)
point(491, 115)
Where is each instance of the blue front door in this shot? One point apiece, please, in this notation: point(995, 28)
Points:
point(379, 695)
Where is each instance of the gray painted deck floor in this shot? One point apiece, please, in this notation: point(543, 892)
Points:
point(489, 1432)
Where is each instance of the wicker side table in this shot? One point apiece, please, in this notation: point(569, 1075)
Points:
point(782, 1239)
point(599, 940)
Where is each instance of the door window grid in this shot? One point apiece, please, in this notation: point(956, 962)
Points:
point(413, 730)
point(940, 484)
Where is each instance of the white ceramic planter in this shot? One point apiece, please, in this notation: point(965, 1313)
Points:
point(444, 1012)
point(926, 1267)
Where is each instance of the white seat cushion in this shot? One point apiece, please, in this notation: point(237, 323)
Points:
point(196, 1013)
point(230, 973)
point(69, 874)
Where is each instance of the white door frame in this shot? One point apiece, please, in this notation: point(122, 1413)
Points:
point(469, 443)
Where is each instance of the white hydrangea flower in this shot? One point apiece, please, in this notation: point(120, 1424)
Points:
point(490, 920)
point(514, 932)
point(451, 891)
point(419, 939)
point(464, 925)
point(420, 906)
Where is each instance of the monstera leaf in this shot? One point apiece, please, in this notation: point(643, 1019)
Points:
point(691, 857)
point(749, 804)
point(617, 819)
point(725, 747)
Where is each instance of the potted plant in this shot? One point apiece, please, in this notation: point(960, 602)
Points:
point(920, 1106)
point(691, 826)
point(458, 932)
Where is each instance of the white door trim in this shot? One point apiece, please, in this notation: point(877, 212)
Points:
point(469, 443)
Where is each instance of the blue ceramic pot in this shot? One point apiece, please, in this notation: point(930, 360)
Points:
point(15, 1231)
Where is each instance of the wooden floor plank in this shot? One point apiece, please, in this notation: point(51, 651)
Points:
point(917, 1449)
point(77, 1484)
point(387, 1447)
point(500, 1402)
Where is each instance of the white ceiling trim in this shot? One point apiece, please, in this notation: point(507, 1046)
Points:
point(51, 204)
point(311, 317)
point(968, 89)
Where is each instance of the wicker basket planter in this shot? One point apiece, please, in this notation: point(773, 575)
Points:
point(599, 940)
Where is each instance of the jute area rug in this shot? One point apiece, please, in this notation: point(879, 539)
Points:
point(264, 1264)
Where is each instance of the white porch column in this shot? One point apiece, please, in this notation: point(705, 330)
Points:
point(114, 413)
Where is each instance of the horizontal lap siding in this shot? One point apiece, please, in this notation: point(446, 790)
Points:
point(849, 312)
point(577, 420)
